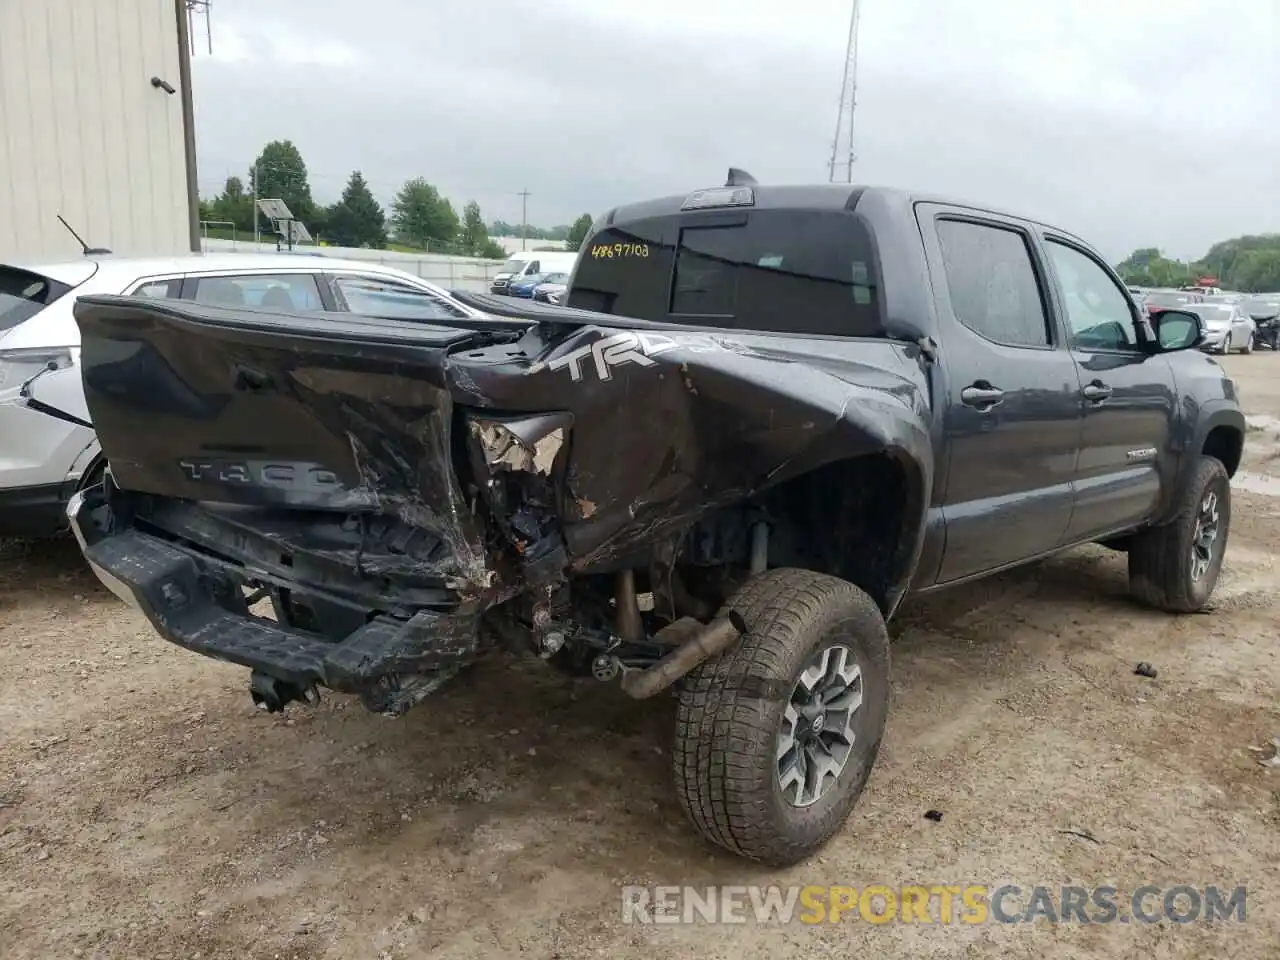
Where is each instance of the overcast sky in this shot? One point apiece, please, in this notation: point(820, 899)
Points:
point(1131, 122)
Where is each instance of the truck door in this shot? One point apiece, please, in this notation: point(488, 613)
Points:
point(1011, 408)
point(1127, 396)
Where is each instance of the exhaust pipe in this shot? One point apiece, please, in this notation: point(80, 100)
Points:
point(708, 641)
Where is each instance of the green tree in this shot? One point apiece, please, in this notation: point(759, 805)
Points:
point(1257, 270)
point(422, 217)
point(234, 205)
point(578, 232)
point(1231, 260)
point(357, 219)
point(492, 250)
point(1248, 263)
point(1147, 267)
point(474, 233)
point(280, 173)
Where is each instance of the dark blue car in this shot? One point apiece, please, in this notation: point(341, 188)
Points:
point(525, 285)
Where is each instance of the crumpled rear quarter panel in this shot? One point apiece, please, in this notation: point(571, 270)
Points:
point(667, 425)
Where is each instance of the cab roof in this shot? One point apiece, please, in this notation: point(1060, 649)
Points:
point(826, 196)
point(823, 196)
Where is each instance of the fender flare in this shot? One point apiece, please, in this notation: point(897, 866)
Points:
point(1213, 414)
point(904, 438)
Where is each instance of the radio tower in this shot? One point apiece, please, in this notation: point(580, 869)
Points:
point(842, 155)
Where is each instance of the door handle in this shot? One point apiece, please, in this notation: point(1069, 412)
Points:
point(1097, 392)
point(981, 395)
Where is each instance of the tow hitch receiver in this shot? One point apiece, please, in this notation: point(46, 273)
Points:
point(272, 694)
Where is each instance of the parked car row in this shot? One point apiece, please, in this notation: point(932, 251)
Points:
point(523, 272)
point(1234, 321)
point(48, 449)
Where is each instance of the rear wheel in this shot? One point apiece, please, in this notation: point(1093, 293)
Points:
point(1248, 345)
point(775, 738)
point(1175, 566)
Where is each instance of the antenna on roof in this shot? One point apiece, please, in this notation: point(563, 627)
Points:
point(88, 250)
point(740, 178)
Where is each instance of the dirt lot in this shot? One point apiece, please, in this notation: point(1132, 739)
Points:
point(146, 810)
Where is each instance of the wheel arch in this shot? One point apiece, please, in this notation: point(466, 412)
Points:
point(1219, 433)
point(1224, 442)
point(859, 517)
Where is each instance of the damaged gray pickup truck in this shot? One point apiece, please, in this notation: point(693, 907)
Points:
point(765, 417)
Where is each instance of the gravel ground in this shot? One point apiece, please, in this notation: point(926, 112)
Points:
point(146, 810)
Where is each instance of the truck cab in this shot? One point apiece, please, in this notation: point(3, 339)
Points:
point(1055, 413)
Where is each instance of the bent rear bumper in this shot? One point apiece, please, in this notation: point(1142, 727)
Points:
point(197, 601)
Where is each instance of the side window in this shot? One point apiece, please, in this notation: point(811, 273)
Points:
point(288, 292)
point(1098, 311)
point(378, 297)
point(157, 289)
point(992, 284)
point(534, 267)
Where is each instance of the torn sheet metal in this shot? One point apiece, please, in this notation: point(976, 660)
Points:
point(506, 451)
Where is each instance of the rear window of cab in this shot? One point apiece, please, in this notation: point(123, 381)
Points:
point(786, 271)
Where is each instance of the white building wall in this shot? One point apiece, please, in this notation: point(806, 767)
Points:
point(83, 133)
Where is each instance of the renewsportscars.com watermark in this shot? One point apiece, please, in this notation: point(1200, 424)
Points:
point(939, 904)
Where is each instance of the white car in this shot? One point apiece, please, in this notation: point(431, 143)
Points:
point(48, 449)
point(1228, 327)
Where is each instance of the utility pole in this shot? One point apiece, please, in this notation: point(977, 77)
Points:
point(524, 218)
point(255, 206)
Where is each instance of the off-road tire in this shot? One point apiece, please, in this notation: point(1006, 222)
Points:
point(1160, 557)
point(730, 712)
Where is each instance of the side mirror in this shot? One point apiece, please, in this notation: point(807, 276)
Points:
point(1178, 330)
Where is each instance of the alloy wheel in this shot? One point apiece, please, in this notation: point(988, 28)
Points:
point(1205, 538)
point(817, 736)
